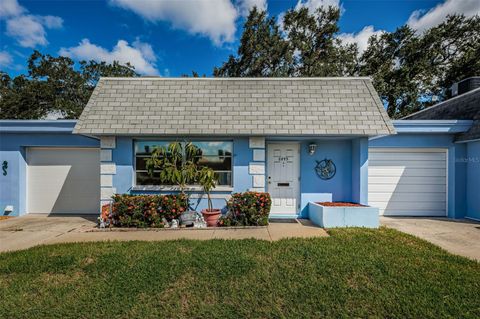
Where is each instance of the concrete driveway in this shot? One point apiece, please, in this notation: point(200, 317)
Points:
point(461, 237)
point(32, 230)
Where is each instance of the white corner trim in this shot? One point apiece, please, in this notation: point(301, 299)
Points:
point(106, 155)
point(108, 168)
point(258, 181)
point(256, 168)
point(106, 180)
point(107, 142)
point(259, 155)
point(106, 193)
point(256, 142)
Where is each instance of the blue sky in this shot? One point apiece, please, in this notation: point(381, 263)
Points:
point(172, 37)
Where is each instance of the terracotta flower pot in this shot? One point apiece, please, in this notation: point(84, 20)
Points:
point(211, 216)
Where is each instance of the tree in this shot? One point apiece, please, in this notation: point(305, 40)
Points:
point(454, 50)
point(263, 52)
point(21, 98)
point(412, 70)
point(397, 68)
point(54, 86)
point(307, 46)
point(318, 52)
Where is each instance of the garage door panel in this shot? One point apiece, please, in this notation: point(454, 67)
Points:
point(396, 171)
point(409, 212)
point(408, 182)
point(411, 164)
point(63, 180)
point(409, 156)
point(410, 206)
point(406, 188)
point(407, 197)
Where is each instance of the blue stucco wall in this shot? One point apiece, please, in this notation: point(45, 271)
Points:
point(473, 180)
point(360, 171)
point(457, 169)
point(13, 145)
point(340, 152)
point(13, 185)
point(350, 182)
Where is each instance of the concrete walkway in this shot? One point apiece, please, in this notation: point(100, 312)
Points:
point(32, 230)
point(461, 237)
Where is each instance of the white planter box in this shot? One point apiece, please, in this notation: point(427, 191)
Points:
point(331, 217)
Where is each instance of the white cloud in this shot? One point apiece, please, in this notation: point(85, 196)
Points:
point(313, 5)
point(10, 8)
point(140, 54)
point(27, 29)
point(52, 22)
point(421, 20)
point(5, 59)
point(212, 18)
point(360, 38)
point(244, 6)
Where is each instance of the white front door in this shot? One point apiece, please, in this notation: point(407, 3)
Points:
point(283, 165)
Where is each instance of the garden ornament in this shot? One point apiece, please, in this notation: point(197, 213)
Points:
point(199, 221)
point(174, 223)
point(325, 169)
point(101, 223)
point(165, 222)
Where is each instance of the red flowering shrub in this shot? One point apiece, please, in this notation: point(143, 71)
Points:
point(146, 210)
point(247, 209)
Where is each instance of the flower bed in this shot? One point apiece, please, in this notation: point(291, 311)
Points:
point(340, 204)
point(247, 209)
point(144, 210)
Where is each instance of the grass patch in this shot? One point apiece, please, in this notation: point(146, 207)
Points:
point(353, 273)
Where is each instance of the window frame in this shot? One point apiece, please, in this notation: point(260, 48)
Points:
point(181, 140)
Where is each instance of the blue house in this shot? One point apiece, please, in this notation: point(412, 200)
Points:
point(300, 139)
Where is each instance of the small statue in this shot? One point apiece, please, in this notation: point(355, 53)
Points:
point(199, 221)
point(174, 223)
point(165, 223)
point(101, 223)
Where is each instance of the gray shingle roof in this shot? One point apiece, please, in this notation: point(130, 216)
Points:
point(240, 106)
point(461, 107)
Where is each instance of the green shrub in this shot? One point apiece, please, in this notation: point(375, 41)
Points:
point(146, 210)
point(247, 209)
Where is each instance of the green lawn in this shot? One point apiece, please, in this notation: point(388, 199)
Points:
point(354, 273)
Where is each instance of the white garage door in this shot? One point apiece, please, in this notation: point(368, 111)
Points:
point(408, 182)
point(63, 180)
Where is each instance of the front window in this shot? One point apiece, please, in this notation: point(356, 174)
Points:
point(214, 154)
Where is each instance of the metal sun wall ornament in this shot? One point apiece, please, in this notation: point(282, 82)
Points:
point(325, 169)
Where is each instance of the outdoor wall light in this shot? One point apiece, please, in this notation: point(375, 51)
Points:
point(311, 148)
